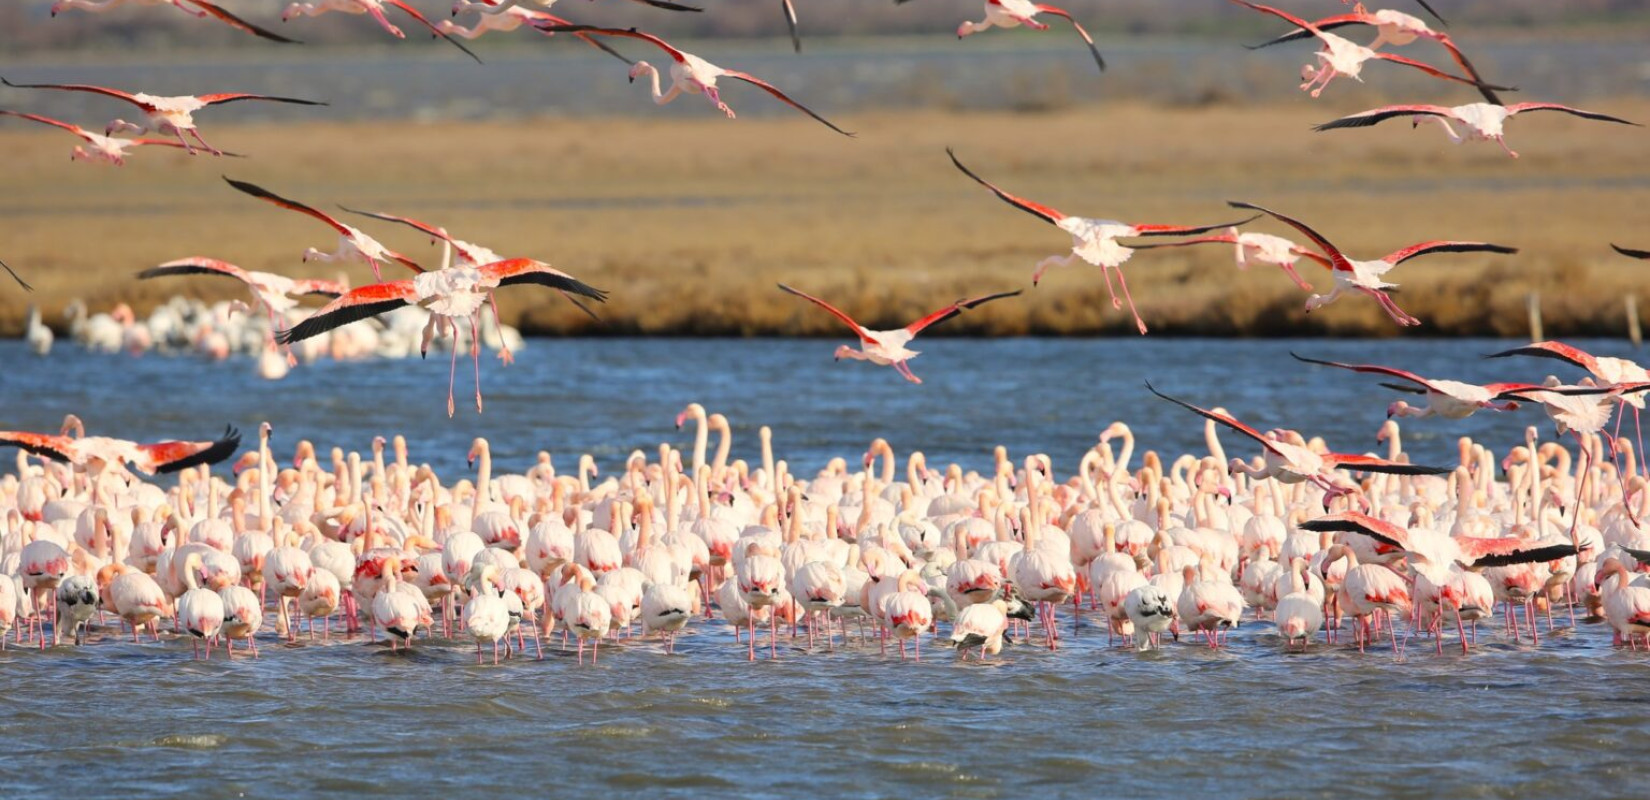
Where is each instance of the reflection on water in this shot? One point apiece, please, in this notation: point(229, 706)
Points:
point(125, 720)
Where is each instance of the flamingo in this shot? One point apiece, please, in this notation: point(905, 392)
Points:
point(1478, 121)
point(136, 598)
point(666, 608)
point(1366, 590)
point(98, 147)
point(1093, 240)
point(200, 610)
point(206, 10)
point(888, 348)
point(1290, 463)
point(1359, 6)
point(96, 454)
point(689, 73)
point(394, 610)
point(1341, 56)
point(1254, 246)
point(486, 616)
point(76, 603)
point(981, 626)
point(1447, 399)
point(168, 115)
point(1630, 253)
point(243, 615)
point(1392, 27)
point(376, 9)
point(1626, 602)
point(1298, 615)
point(910, 613)
point(276, 293)
point(501, 6)
point(1014, 13)
point(1151, 611)
point(1366, 276)
point(1609, 370)
point(514, 17)
point(450, 294)
point(352, 243)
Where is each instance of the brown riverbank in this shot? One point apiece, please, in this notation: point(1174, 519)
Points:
point(691, 222)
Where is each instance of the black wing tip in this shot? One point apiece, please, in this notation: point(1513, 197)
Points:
point(1630, 252)
point(221, 449)
point(1551, 552)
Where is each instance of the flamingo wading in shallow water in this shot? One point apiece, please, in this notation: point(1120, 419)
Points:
point(167, 115)
point(1366, 276)
point(449, 294)
point(1479, 121)
point(1341, 56)
point(1093, 240)
point(1014, 13)
point(888, 347)
point(690, 73)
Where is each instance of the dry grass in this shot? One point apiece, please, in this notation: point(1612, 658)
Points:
point(691, 222)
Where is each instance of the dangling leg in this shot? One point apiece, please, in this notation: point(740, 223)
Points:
point(209, 148)
point(1124, 284)
point(475, 355)
point(452, 370)
point(504, 353)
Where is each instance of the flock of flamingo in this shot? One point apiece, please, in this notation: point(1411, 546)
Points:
point(1310, 540)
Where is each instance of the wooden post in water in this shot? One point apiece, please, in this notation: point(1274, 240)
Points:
point(1634, 333)
point(1535, 316)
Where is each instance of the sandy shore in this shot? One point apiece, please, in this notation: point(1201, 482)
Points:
point(691, 222)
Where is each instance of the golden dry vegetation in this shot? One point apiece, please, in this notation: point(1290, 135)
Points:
point(691, 222)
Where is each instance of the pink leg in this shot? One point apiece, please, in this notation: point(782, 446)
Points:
point(1123, 283)
point(452, 369)
point(475, 355)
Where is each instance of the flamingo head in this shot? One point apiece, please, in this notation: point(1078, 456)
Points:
point(1398, 408)
point(1315, 302)
point(1308, 72)
point(843, 351)
point(641, 68)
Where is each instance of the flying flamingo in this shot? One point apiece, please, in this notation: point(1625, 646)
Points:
point(450, 294)
point(1255, 246)
point(1447, 399)
point(1365, 276)
point(1359, 6)
point(168, 115)
point(206, 10)
point(689, 73)
point(1014, 13)
point(501, 6)
point(1093, 240)
point(1608, 370)
point(1392, 27)
point(887, 348)
point(1341, 56)
point(376, 9)
point(1479, 121)
point(514, 17)
point(276, 293)
point(1290, 463)
point(100, 147)
point(352, 243)
point(95, 454)
point(1630, 253)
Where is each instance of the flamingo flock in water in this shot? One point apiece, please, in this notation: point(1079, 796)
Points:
point(1311, 543)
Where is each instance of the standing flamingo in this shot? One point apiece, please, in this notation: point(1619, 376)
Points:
point(167, 115)
point(1366, 276)
point(200, 610)
point(206, 10)
point(1479, 121)
point(1093, 240)
point(1341, 56)
point(352, 243)
point(1014, 13)
point(376, 9)
point(690, 73)
point(888, 348)
point(450, 294)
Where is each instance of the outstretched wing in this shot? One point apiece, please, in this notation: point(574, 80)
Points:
point(358, 304)
point(320, 288)
point(196, 265)
point(953, 310)
point(1185, 230)
point(1325, 24)
point(74, 129)
point(163, 457)
point(1230, 422)
point(789, 10)
point(1553, 349)
point(859, 330)
point(1087, 39)
point(16, 277)
point(1503, 551)
point(1438, 73)
point(291, 205)
point(231, 97)
point(1355, 522)
point(81, 87)
point(1368, 368)
point(785, 98)
point(630, 33)
point(1373, 464)
point(422, 20)
point(1630, 253)
point(236, 22)
point(1518, 108)
point(1286, 16)
point(1038, 210)
point(56, 448)
point(1365, 119)
point(1336, 258)
point(1439, 246)
point(515, 271)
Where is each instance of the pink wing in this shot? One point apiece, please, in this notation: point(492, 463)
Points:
point(358, 304)
point(1552, 349)
point(236, 22)
point(81, 87)
point(630, 33)
point(56, 448)
point(953, 310)
point(1184, 230)
point(74, 129)
point(1336, 259)
point(1365, 119)
point(1354, 522)
point(1035, 209)
point(197, 265)
point(858, 329)
point(1438, 73)
point(173, 456)
point(230, 97)
point(1373, 464)
point(1440, 246)
point(1230, 422)
point(420, 18)
point(1372, 369)
point(773, 90)
point(1522, 107)
point(1087, 39)
point(291, 205)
